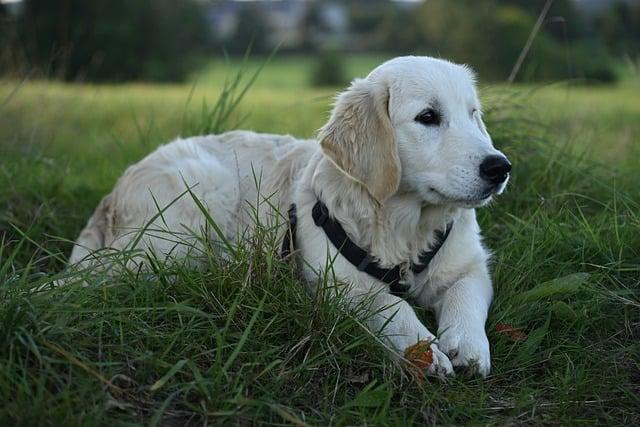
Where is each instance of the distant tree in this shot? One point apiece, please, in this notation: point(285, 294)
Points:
point(402, 32)
point(489, 35)
point(5, 24)
point(365, 15)
point(312, 25)
point(11, 62)
point(619, 28)
point(113, 40)
point(473, 33)
point(365, 19)
point(564, 19)
point(251, 30)
point(328, 70)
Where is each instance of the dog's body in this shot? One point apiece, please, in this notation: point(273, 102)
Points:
point(404, 153)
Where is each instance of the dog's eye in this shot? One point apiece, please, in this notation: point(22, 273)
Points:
point(428, 118)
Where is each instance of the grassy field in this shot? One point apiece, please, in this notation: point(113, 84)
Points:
point(242, 342)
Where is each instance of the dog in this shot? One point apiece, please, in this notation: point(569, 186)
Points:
point(385, 197)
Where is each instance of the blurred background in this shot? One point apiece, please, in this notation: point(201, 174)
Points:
point(593, 41)
point(95, 85)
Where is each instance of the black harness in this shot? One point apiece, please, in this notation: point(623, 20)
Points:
point(357, 256)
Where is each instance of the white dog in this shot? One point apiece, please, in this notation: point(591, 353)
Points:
point(399, 168)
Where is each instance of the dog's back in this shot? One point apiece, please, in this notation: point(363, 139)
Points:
point(157, 194)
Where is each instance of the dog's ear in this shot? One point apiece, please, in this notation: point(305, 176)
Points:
point(359, 138)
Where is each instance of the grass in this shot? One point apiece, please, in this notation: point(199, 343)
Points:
point(242, 342)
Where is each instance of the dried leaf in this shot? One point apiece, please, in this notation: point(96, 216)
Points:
point(515, 334)
point(420, 357)
point(420, 354)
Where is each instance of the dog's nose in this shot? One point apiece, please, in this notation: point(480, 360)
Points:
point(495, 169)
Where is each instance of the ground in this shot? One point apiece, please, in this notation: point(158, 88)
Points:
point(243, 341)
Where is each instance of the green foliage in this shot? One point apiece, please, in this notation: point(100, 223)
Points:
point(489, 36)
point(165, 40)
point(328, 70)
point(251, 31)
point(565, 19)
point(619, 28)
point(112, 40)
point(11, 59)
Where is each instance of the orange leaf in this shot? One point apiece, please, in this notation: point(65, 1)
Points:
point(515, 334)
point(420, 356)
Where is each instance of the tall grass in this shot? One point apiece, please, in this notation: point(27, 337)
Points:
point(242, 342)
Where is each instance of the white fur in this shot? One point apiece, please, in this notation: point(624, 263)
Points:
point(389, 180)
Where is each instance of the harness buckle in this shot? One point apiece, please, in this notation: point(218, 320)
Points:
point(400, 288)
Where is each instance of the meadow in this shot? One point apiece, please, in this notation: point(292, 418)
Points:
point(242, 342)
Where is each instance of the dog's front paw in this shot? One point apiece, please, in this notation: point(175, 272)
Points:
point(427, 358)
point(468, 350)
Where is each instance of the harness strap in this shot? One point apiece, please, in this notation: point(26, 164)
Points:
point(426, 256)
point(357, 256)
point(354, 253)
point(289, 239)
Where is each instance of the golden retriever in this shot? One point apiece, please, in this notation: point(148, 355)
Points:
point(396, 173)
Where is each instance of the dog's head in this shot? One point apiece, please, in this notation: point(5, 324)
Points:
point(415, 125)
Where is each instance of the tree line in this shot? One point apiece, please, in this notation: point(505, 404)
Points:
point(165, 40)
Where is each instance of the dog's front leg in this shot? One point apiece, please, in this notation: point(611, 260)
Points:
point(461, 313)
point(396, 321)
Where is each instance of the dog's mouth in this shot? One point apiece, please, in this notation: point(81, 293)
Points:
point(493, 190)
point(488, 193)
point(472, 201)
point(480, 201)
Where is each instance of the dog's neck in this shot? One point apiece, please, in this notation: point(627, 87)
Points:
point(395, 232)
